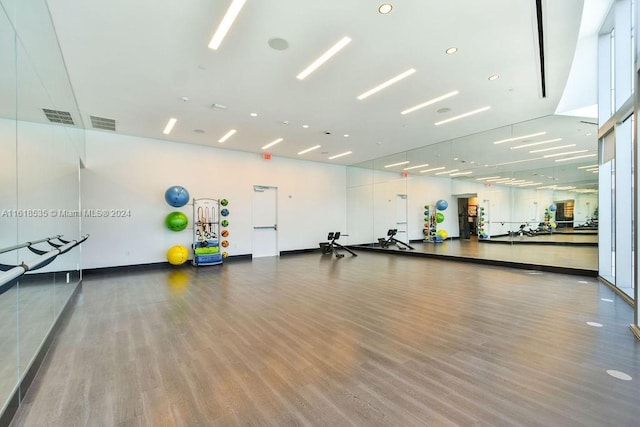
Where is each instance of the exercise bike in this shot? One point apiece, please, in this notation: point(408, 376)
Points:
point(331, 247)
point(392, 241)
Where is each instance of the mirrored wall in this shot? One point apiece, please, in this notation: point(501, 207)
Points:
point(42, 145)
point(530, 182)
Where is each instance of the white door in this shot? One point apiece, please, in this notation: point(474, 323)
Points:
point(401, 216)
point(265, 221)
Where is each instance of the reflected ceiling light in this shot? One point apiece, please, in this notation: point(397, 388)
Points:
point(451, 50)
point(432, 101)
point(487, 177)
point(548, 141)
point(588, 167)
point(519, 137)
point(529, 184)
point(461, 116)
point(346, 153)
point(169, 127)
point(576, 157)
point(518, 161)
point(225, 24)
point(461, 173)
point(305, 126)
point(397, 164)
point(446, 172)
point(271, 144)
point(416, 167)
point(253, 114)
point(592, 169)
point(566, 153)
point(227, 136)
point(494, 77)
point(432, 169)
point(552, 148)
point(324, 57)
point(315, 147)
point(387, 83)
point(385, 8)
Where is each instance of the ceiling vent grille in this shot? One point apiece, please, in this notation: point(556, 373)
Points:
point(103, 123)
point(62, 117)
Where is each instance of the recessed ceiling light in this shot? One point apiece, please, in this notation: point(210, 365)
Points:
point(387, 83)
point(416, 167)
point(185, 99)
point(324, 57)
point(272, 143)
point(169, 126)
point(397, 164)
point(305, 126)
point(432, 169)
point(278, 43)
point(315, 147)
point(227, 136)
point(385, 8)
point(467, 114)
point(253, 114)
point(432, 101)
point(346, 153)
point(515, 138)
point(536, 143)
point(346, 135)
point(494, 77)
point(451, 50)
point(225, 24)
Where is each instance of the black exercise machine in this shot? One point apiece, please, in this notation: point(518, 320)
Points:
point(392, 241)
point(331, 247)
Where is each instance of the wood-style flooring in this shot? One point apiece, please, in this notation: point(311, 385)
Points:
point(315, 340)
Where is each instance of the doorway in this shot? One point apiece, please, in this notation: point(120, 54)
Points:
point(265, 221)
point(467, 216)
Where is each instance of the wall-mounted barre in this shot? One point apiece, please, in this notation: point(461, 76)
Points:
point(9, 277)
point(26, 244)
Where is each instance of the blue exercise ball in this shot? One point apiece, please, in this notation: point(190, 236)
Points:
point(552, 207)
point(442, 205)
point(224, 212)
point(177, 196)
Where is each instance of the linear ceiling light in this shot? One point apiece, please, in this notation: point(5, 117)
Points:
point(592, 169)
point(271, 144)
point(324, 57)
point(548, 141)
point(461, 173)
point(588, 167)
point(461, 116)
point(227, 136)
point(540, 150)
point(519, 137)
point(576, 157)
point(416, 167)
point(169, 127)
point(487, 177)
point(566, 153)
point(432, 101)
point(530, 184)
point(226, 23)
point(315, 147)
point(387, 83)
point(433, 169)
point(446, 172)
point(397, 164)
point(346, 153)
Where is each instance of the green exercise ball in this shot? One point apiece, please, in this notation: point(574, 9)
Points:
point(176, 221)
point(439, 217)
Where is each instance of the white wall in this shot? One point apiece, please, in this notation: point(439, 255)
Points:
point(132, 173)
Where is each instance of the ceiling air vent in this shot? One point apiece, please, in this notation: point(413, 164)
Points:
point(102, 123)
point(62, 117)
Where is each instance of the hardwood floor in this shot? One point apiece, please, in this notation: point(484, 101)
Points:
point(314, 340)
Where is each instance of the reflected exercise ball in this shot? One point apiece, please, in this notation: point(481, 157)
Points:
point(442, 205)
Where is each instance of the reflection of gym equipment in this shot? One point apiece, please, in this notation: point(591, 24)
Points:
point(392, 241)
point(331, 247)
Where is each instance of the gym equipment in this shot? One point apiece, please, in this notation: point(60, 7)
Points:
point(224, 223)
point(442, 205)
point(224, 233)
point(392, 241)
point(225, 243)
point(442, 234)
point(331, 247)
point(224, 212)
point(177, 196)
point(206, 246)
point(225, 254)
point(439, 217)
point(176, 221)
point(224, 202)
point(177, 255)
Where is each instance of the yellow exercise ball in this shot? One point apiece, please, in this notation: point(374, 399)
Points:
point(177, 255)
point(443, 234)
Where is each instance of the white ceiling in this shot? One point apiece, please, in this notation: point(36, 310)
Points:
point(135, 61)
